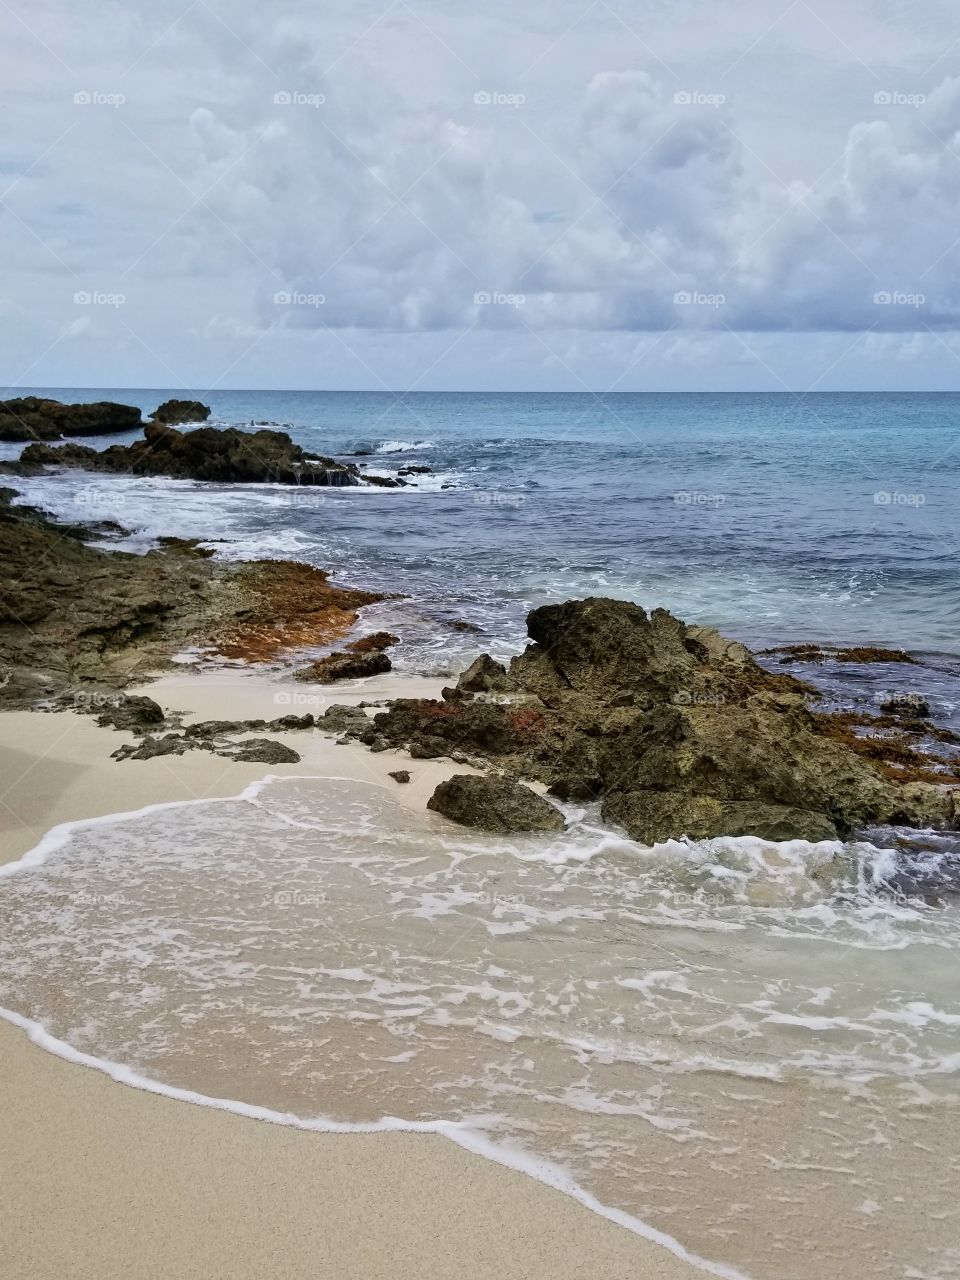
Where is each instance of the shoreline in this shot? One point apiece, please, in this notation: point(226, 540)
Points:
point(402, 1205)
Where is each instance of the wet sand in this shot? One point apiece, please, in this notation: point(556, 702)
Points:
point(101, 1180)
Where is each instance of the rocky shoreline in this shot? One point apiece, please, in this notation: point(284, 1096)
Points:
point(75, 617)
point(672, 730)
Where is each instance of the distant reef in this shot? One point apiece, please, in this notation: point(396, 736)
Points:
point(36, 418)
point(225, 455)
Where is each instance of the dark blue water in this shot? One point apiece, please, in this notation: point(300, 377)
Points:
point(828, 517)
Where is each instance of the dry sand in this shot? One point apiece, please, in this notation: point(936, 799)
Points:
point(102, 1181)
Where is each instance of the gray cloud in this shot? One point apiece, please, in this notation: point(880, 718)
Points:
point(404, 171)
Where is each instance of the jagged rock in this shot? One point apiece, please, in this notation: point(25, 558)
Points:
point(227, 728)
point(341, 718)
point(228, 456)
point(171, 744)
point(216, 728)
point(179, 411)
point(33, 418)
point(400, 775)
point(675, 729)
point(137, 713)
point(285, 723)
point(494, 804)
point(261, 751)
point(483, 676)
point(345, 666)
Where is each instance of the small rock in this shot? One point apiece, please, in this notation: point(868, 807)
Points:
point(400, 775)
point(494, 804)
point(345, 666)
point(133, 712)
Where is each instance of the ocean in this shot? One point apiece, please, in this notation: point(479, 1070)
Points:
point(778, 518)
point(749, 1051)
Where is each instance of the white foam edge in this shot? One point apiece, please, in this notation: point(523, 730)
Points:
point(550, 1174)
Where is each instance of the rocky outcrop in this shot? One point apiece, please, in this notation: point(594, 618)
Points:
point(494, 804)
point(227, 456)
point(33, 418)
point(79, 621)
point(675, 730)
point(177, 412)
point(252, 751)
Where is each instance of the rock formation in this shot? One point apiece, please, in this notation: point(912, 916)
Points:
point(33, 418)
point(176, 412)
point(673, 729)
point(228, 456)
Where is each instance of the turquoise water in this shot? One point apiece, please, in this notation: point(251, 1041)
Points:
point(779, 518)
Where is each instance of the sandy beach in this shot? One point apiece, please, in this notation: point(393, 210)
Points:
point(101, 1180)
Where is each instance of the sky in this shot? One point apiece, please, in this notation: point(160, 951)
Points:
point(564, 195)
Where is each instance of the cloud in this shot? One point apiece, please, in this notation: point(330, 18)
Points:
point(425, 169)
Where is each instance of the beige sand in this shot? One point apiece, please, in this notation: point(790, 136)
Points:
point(102, 1181)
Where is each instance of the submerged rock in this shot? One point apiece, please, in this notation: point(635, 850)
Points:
point(675, 730)
point(494, 804)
